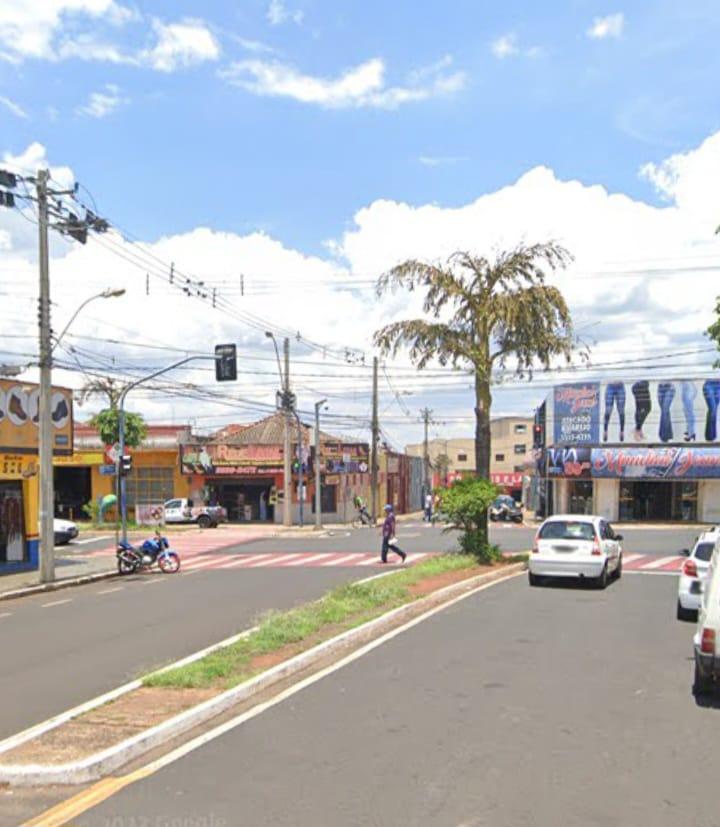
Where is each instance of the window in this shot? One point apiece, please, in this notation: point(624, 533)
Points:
point(518, 469)
point(580, 497)
point(703, 551)
point(521, 448)
point(462, 458)
point(520, 428)
point(150, 485)
point(499, 457)
point(566, 530)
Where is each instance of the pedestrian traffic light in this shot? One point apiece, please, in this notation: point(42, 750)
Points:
point(225, 363)
point(125, 465)
point(288, 400)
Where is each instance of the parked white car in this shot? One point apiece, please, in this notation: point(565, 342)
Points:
point(707, 633)
point(692, 575)
point(64, 531)
point(572, 545)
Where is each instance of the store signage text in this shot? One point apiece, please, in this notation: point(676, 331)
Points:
point(656, 463)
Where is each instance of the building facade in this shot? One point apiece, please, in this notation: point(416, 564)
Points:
point(639, 450)
point(19, 468)
point(510, 457)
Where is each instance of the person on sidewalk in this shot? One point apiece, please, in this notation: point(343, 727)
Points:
point(428, 507)
point(389, 543)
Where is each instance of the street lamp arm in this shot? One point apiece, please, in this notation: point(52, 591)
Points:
point(106, 294)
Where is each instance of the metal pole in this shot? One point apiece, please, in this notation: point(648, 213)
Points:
point(47, 493)
point(374, 444)
point(287, 450)
point(301, 473)
point(318, 497)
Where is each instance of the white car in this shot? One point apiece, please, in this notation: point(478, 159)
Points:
point(64, 531)
point(706, 641)
point(572, 545)
point(692, 574)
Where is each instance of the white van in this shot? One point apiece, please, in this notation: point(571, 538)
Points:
point(707, 635)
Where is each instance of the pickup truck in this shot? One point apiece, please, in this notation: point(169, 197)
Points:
point(184, 511)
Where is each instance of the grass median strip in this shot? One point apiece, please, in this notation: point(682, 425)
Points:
point(340, 609)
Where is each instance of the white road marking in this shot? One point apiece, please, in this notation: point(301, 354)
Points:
point(628, 558)
point(658, 564)
point(271, 559)
point(242, 560)
point(110, 591)
point(304, 559)
point(154, 580)
point(5, 614)
point(56, 603)
point(342, 559)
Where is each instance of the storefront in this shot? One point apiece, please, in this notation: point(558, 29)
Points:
point(510, 483)
point(19, 471)
point(669, 473)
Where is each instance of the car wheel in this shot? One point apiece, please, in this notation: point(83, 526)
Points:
point(534, 579)
point(602, 581)
point(702, 685)
point(684, 614)
point(204, 521)
point(618, 570)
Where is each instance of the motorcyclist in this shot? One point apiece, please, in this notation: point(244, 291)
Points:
point(361, 509)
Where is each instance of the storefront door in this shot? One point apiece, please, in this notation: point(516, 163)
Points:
point(654, 500)
point(12, 524)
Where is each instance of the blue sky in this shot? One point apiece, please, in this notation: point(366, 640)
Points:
point(185, 148)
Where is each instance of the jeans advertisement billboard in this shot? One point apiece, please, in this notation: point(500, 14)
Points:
point(638, 412)
point(676, 463)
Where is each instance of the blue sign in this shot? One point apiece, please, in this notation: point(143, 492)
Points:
point(107, 470)
point(656, 463)
point(573, 463)
point(577, 414)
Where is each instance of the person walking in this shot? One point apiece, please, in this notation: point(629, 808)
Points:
point(389, 543)
point(428, 507)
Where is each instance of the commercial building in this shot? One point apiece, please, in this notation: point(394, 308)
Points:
point(19, 467)
point(510, 458)
point(634, 450)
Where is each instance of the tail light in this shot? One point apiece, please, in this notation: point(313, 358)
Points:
point(596, 551)
point(707, 643)
point(535, 547)
point(690, 568)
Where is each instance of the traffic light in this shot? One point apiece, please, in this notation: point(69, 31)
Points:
point(125, 465)
point(539, 427)
point(225, 363)
point(7, 199)
point(8, 179)
point(288, 400)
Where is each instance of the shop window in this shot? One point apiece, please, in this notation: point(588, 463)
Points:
point(520, 428)
point(328, 499)
point(685, 501)
point(580, 497)
point(521, 448)
point(462, 458)
point(499, 457)
point(150, 485)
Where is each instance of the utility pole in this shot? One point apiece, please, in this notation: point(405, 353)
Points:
point(318, 497)
point(301, 472)
point(287, 459)
point(47, 493)
point(375, 427)
point(426, 414)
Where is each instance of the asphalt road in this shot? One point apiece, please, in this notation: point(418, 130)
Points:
point(515, 707)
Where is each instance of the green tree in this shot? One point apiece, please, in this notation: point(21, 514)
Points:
point(465, 504)
point(442, 466)
point(108, 426)
point(483, 315)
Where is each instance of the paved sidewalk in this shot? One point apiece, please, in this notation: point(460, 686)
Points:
point(67, 570)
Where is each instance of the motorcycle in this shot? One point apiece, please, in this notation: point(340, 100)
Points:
point(157, 550)
point(505, 509)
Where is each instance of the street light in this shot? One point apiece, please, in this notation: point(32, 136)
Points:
point(318, 501)
point(47, 487)
point(109, 293)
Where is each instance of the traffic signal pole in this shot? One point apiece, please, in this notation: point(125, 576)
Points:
point(287, 448)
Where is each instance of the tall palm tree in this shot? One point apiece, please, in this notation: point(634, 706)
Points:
point(483, 315)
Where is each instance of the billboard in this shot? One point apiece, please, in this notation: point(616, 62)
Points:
point(20, 418)
point(347, 457)
point(571, 463)
point(576, 413)
point(672, 463)
point(637, 412)
point(233, 460)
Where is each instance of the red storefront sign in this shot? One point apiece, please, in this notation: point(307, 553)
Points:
point(510, 480)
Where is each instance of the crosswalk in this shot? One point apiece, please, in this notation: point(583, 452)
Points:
point(652, 564)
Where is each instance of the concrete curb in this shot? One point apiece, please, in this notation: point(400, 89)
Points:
point(102, 763)
point(66, 583)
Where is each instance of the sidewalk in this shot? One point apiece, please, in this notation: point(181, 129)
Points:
point(68, 570)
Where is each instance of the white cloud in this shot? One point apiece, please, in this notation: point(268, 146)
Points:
point(13, 107)
point(506, 46)
point(278, 13)
point(185, 43)
point(362, 86)
point(102, 104)
point(28, 27)
point(605, 27)
point(441, 160)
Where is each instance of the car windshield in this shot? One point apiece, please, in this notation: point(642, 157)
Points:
point(567, 530)
point(703, 551)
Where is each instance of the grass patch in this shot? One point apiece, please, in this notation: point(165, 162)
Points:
point(345, 607)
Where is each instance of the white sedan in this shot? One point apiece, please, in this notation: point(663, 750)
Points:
point(692, 573)
point(570, 545)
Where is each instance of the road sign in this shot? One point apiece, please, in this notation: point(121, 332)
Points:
point(107, 470)
point(113, 453)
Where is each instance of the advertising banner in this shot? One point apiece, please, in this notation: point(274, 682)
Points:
point(576, 410)
point(233, 460)
point(150, 514)
point(572, 463)
point(348, 457)
point(17, 466)
point(20, 418)
point(672, 463)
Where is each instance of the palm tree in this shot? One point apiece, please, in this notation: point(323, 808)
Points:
point(483, 315)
